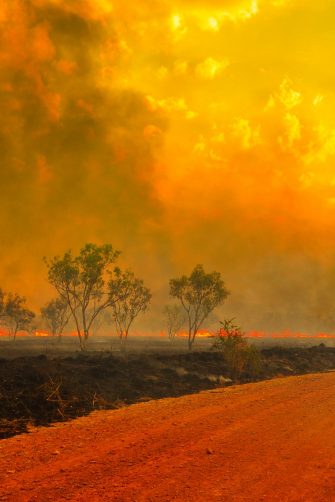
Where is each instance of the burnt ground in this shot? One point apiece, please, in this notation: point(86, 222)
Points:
point(39, 390)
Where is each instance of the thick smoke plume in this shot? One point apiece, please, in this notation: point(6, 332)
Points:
point(182, 132)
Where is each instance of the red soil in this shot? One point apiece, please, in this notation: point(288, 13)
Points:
point(271, 441)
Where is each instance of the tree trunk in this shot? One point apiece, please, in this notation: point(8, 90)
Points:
point(190, 340)
point(15, 333)
point(81, 341)
point(123, 342)
point(85, 328)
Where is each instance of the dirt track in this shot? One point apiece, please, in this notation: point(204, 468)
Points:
point(272, 440)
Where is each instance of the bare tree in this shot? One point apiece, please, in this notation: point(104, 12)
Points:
point(56, 315)
point(199, 294)
point(175, 319)
point(81, 282)
point(129, 297)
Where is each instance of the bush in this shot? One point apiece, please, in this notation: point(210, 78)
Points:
point(241, 358)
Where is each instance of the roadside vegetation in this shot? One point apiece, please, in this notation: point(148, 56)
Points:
point(240, 357)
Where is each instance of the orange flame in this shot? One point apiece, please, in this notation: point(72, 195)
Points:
point(201, 334)
point(288, 334)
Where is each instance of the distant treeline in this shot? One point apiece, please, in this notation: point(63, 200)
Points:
point(90, 284)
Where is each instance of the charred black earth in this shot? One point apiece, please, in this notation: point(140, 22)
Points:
point(39, 390)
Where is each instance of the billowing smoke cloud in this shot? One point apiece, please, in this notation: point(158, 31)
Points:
point(77, 151)
point(183, 132)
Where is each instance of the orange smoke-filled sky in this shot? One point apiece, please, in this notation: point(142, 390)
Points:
point(180, 131)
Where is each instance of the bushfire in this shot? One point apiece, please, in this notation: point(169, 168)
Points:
point(202, 334)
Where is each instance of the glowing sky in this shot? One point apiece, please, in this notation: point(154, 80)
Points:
point(182, 132)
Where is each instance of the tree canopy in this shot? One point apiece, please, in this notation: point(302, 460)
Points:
point(175, 318)
point(56, 315)
point(14, 314)
point(199, 294)
point(129, 297)
point(81, 281)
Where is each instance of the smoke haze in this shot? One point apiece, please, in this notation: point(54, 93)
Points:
point(182, 132)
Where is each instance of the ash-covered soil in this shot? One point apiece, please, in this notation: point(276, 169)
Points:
point(40, 390)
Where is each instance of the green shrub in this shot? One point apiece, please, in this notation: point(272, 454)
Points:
point(241, 358)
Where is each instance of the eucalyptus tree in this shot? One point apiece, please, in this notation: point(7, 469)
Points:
point(17, 317)
point(82, 283)
point(128, 297)
point(175, 318)
point(56, 315)
point(199, 294)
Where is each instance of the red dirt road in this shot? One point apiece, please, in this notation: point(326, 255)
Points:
point(271, 441)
